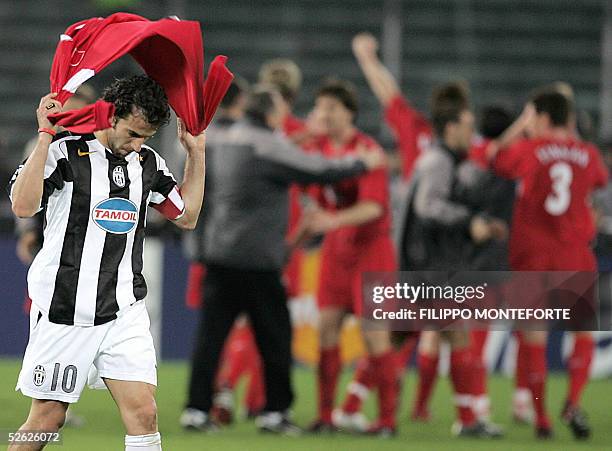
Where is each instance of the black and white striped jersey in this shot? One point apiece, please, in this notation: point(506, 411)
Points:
point(90, 265)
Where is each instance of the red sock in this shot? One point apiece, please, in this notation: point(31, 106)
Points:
point(239, 356)
point(404, 353)
point(536, 362)
point(462, 377)
point(578, 366)
point(428, 373)
point(360, 386)
point(384, 369)
point(328, 371)
point(256, 394)
point(478, 340)
point(236, 368)
point(522, 369)
point(228, 374)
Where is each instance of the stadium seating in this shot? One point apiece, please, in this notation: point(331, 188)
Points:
point(490, 43)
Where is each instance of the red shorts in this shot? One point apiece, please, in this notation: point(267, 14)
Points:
point(342, 268)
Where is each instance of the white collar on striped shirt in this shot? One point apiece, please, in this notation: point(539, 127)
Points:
point(97, 146)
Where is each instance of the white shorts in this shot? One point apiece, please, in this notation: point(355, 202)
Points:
point(59, 357)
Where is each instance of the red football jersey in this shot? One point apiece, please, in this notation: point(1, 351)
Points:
point(552, 208)
point(293, 125)
point(412, 131)
point(371, 186)
point(478, 152)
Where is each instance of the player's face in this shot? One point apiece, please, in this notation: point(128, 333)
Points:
point(129, 134)
point(332, 112)
point(316, 123)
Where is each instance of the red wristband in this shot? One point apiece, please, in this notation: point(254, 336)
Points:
point(47, 130)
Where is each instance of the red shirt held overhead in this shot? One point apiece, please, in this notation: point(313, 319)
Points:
point(169, 50)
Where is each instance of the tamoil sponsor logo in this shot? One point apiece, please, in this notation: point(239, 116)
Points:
point(115, 215)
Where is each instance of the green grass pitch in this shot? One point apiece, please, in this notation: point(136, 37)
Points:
point(104, 432)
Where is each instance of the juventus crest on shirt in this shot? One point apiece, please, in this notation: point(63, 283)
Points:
point(90, 265)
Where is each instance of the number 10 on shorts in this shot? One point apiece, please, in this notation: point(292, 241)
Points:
point(69, 378)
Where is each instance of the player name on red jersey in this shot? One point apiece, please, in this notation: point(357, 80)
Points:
point(553, 152)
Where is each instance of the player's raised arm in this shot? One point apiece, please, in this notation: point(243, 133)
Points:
point(27, 186)
point(380, 80)
point(192, 189)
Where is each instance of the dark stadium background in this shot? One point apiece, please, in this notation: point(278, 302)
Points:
point(502, 47)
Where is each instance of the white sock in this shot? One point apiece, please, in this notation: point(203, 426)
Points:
point(482, 407)
point(149, 442)
point(360, 390)
point(522, 396)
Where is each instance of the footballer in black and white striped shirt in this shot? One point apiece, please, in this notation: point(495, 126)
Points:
point(86, 283)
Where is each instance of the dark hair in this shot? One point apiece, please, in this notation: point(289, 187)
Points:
point(494, 120)
point(556, 105)
point(143, 94)
point(447, 103)
point(238, 86)
point(260, 103)
point(341, 90)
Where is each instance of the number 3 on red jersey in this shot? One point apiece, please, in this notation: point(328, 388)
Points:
point(558, 201)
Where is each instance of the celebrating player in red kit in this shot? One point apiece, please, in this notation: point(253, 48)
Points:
point(357, 225)
point(411, 129)
point(553, 224)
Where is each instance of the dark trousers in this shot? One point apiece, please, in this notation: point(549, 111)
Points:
point(229, 292)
